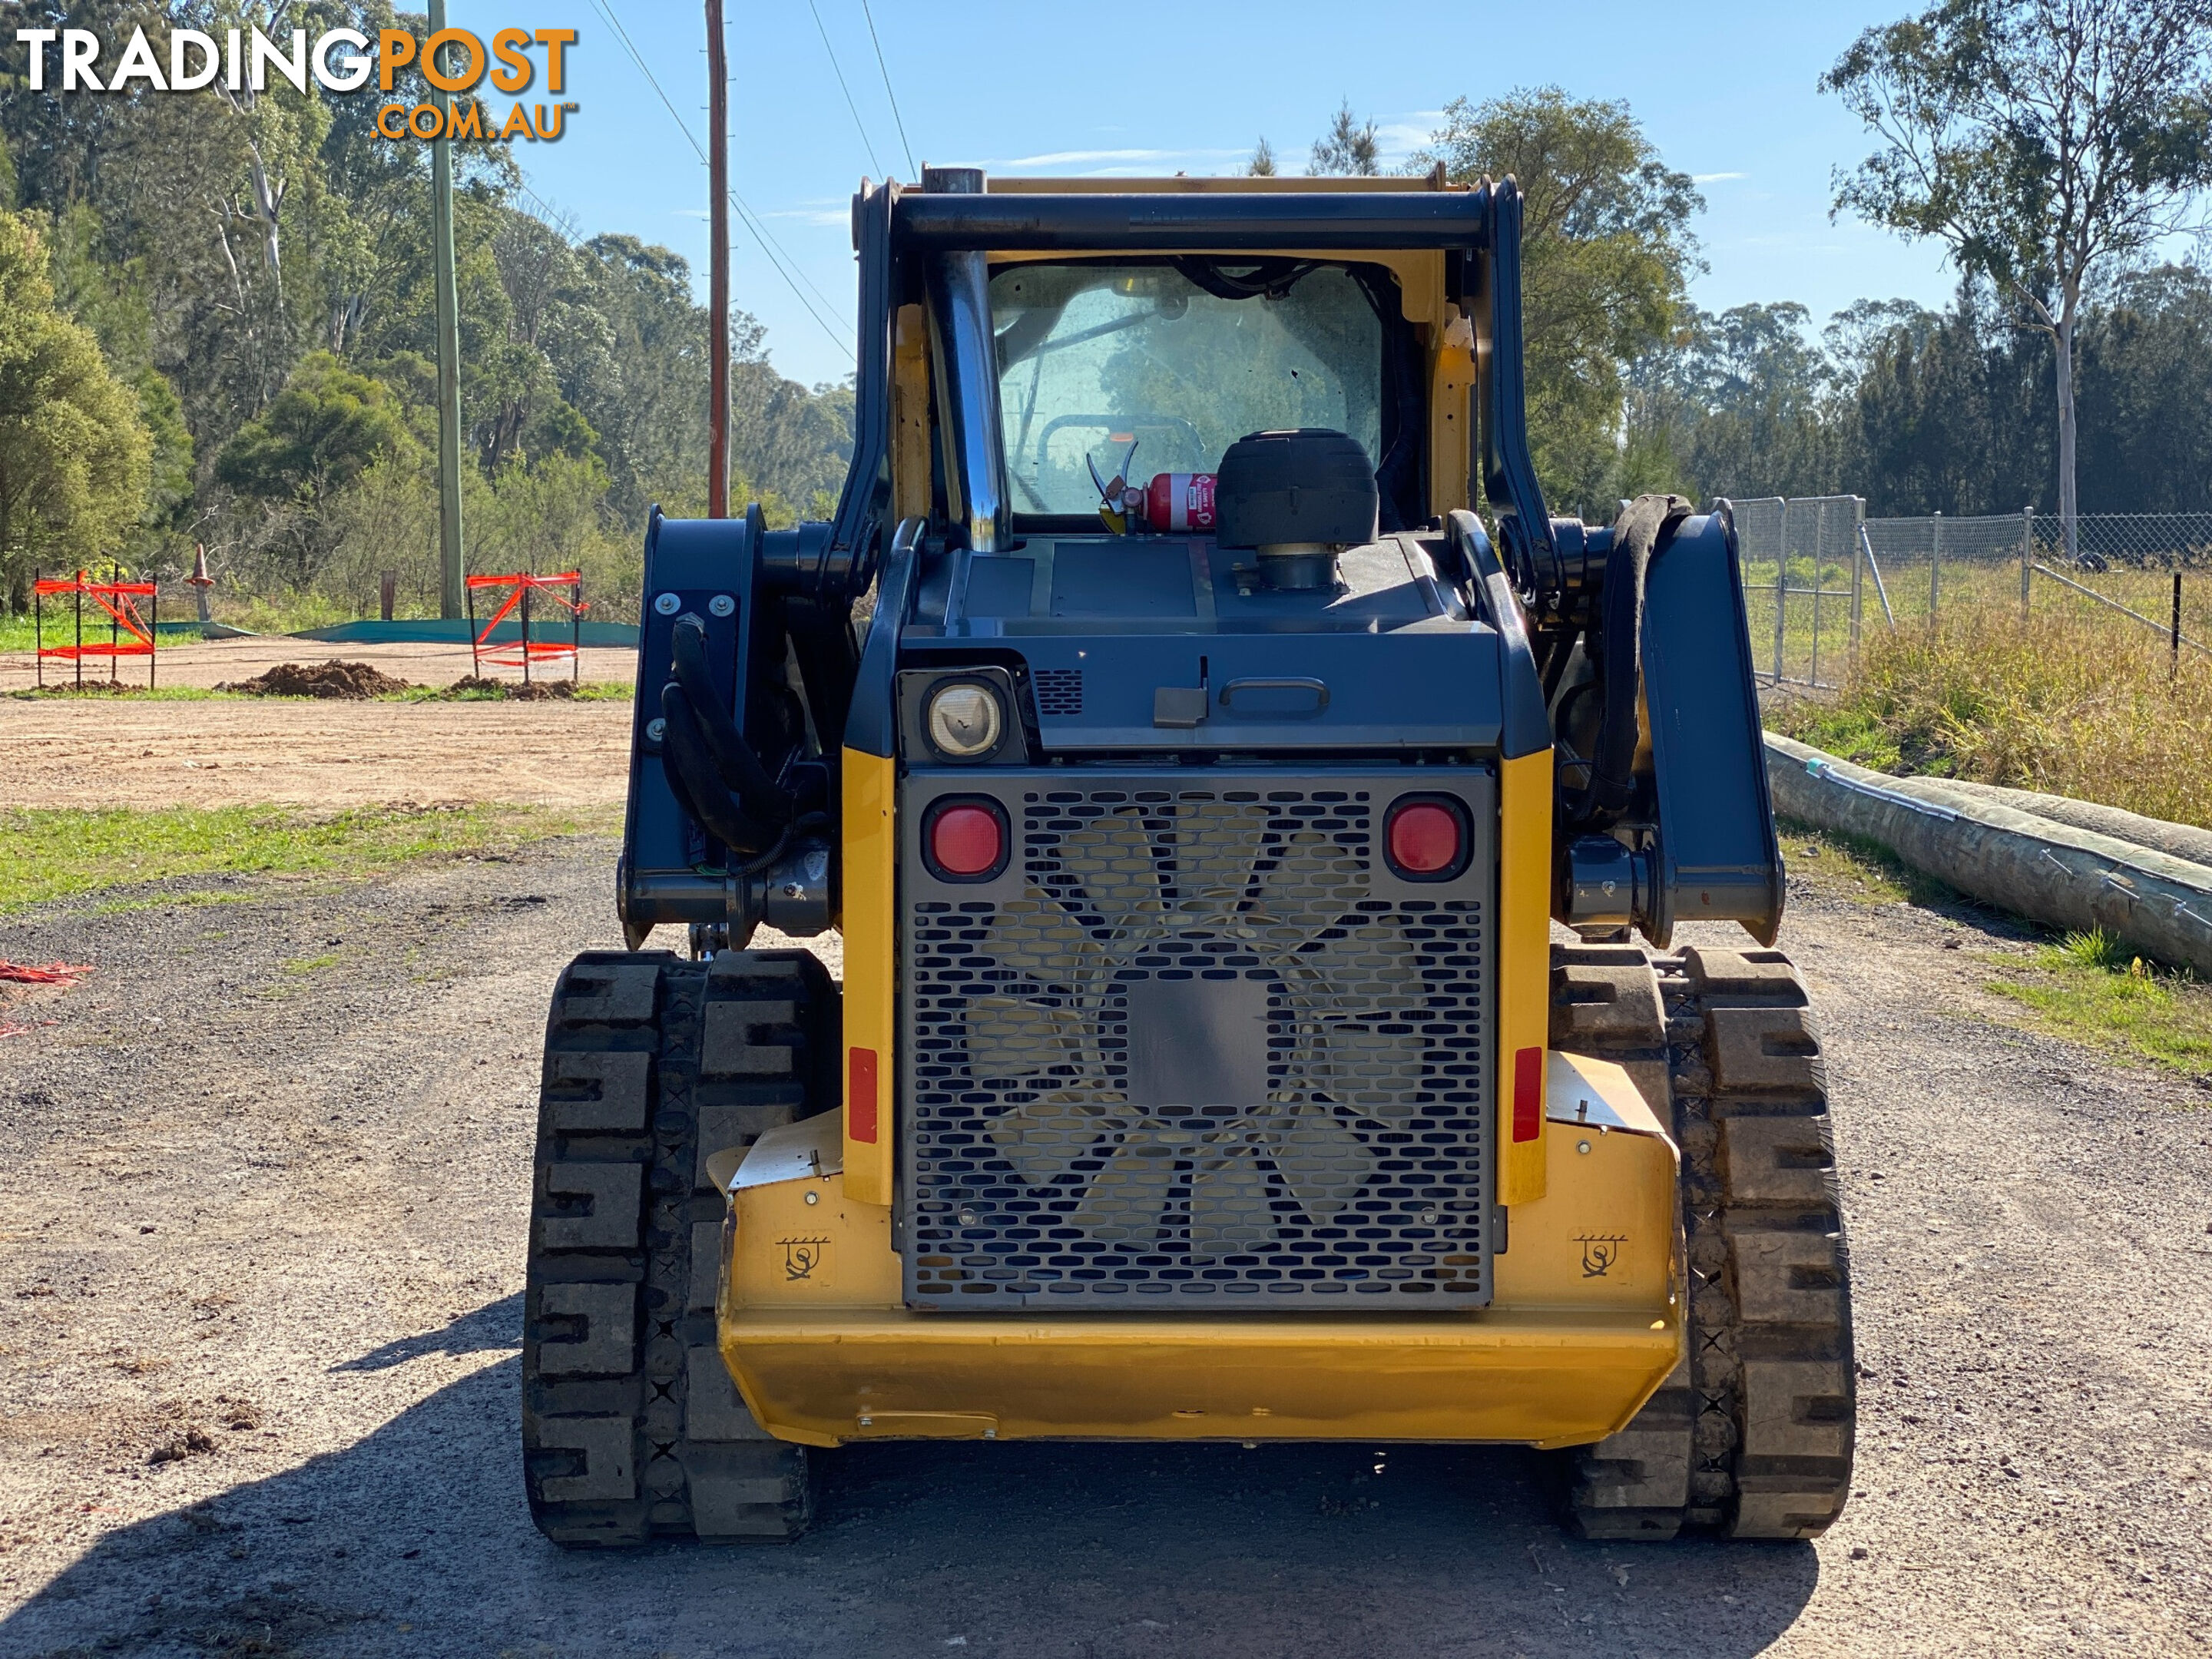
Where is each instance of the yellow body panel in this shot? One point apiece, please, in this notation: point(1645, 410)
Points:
point(911, 438)
point(1584, 1327)
point(1583, 1324)
point(1524, 957)
point(869, 921)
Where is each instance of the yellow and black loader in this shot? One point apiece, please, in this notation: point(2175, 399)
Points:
point(1204, 1065)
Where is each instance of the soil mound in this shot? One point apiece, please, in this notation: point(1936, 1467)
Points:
point(514, 690)
point(356, 681)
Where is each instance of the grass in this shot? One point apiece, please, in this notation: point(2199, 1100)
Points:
point(54, 854)
point(1969, 587)
point(103, 691)
point(2091, 989)
point(1846, 866)
point(2059, 702)
point(2086, 987)
point(586, 691)
point(22, 634)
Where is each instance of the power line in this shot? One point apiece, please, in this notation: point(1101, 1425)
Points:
point(912, 172)
point(839, 70)
point(769, 244)
point(778, 255)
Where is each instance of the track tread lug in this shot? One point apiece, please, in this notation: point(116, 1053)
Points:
point(1756, 1441)
point(631, 1426)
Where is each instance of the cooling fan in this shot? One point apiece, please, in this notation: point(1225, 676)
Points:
point(1273, 911)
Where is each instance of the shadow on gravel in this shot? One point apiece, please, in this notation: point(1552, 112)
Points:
point(491, 1328)
point(416, 1541)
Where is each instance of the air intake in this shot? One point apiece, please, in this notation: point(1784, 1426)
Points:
point(1195, 1051)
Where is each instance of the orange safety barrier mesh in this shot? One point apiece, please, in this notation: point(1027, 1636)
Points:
point(523, 651)
point(119, 599)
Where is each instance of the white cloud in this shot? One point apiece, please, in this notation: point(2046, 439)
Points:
point(1715, 178)
point(1071, 157)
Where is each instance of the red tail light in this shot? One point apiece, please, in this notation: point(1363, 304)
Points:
point(1425, 838)
point(966, 842)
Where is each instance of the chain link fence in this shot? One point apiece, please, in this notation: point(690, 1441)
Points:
point(1818, 573)
point(1805, 581)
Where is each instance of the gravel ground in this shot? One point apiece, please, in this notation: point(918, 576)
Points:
point(267, 1211)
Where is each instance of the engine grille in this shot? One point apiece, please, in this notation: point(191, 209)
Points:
point(1201, 1049)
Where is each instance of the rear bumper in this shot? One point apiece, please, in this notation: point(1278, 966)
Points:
point(1547, 1378)
point(1586, 1324)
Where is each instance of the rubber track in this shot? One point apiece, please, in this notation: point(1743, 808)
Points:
point(631, 1427)
point(1752, 1436)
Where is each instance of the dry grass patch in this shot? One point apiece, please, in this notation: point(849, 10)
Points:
point(2057, 704)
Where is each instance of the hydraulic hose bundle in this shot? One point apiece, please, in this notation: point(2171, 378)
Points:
point(714, 772)
point(1637, 534)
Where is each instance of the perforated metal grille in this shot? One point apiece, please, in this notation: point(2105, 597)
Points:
point(1198, 1061)
point(1059, 692)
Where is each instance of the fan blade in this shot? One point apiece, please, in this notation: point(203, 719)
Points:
point(1124, 1203)
point(1009, 1038)
point(1311, 881)
point(1322, 1162)
point(1043, 1139)
point(1040, 942)
point(1378, 1074)
point(1368, 971)
point(1112, 858)
point(1215, 845)
point(1228, 1208)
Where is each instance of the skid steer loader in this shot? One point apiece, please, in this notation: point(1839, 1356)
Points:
point(1194, 725)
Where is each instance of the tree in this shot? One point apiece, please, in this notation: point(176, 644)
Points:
point(2146, 386)
point(73, 452)
point(2041, 141)
point(1349, 148)
point(1606, 255)
point(1262, 164)
point(1753, 416)
point(323, 430)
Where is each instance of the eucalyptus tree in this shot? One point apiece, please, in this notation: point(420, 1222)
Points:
point(2044, 141)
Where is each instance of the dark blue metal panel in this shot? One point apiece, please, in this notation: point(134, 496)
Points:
point(671, 872)
point(1432, 689)
point(1716, 852)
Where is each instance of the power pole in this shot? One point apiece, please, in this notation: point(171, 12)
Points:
point(718, 268)
point(449, 348)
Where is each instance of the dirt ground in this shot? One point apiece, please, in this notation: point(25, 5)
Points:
point(269, 1178)
point(209, 663)
point(222, 751)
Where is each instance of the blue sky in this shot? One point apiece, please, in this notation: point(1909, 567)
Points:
point(1726, 91)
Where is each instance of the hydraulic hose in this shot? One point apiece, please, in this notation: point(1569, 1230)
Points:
point(697, 783)
point(758, 793)
point(1647, 521)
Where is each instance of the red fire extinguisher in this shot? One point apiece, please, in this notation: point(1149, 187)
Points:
point(1174, 501)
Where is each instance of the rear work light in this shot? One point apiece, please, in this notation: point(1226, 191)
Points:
point(1425, 838)
point(965, 840)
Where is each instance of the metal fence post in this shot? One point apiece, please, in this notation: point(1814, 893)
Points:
point(2174, 671)
point(1858, 574)
point(1820, 541)
point(1935, 569)
point(2026, 560)
point(1781, 586)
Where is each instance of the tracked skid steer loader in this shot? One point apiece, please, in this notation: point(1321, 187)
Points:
point(1239, 800)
